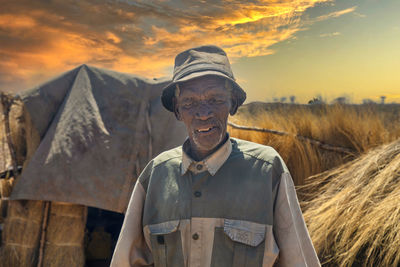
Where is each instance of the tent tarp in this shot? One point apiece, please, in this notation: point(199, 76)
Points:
point(98, 129)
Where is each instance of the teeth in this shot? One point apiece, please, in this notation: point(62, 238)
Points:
point(204, 130)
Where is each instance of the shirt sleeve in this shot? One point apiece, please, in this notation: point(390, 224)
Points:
point(131, 249)
point(290, 230)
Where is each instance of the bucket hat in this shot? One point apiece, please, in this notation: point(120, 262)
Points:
point(197, 62)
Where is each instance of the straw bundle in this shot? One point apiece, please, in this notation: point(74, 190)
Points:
point(5, 191)
point(353, 212)
point(22, 226)
point(21, 234)
point(15, 120)
point(65, 235)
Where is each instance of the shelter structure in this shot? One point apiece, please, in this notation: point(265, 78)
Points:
point(82, 139)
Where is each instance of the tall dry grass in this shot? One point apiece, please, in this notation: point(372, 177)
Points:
point(356, 127)
point(17, 135)
point(5, 158)
point(353, 212)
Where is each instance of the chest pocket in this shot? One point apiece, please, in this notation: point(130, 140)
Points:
point(238, 244)
point(166, 244)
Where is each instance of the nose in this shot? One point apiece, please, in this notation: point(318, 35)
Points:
point(203, 112)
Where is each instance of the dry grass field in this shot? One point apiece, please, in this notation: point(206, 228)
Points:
point(351, 204)
point(355, 127)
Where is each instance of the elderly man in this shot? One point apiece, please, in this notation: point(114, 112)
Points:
point(216, 200)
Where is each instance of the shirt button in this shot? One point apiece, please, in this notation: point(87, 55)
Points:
point(195, 236)
point(199, 167)
point(197, 194)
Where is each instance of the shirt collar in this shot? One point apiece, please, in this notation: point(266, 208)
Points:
point(212, 163)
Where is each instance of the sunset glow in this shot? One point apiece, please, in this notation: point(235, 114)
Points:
point(278, 48)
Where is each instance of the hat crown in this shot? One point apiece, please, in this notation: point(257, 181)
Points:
point(198, 62)
point(202, 58)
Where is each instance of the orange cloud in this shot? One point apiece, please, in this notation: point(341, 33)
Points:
point(16, 22)
point(41, 40)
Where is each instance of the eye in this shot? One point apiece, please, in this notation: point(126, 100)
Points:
point(187, 105)
point(211, 101)
point(186, 102)
point(190, 103)
point(217, 101)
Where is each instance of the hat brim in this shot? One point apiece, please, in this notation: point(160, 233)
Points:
point(168, 92)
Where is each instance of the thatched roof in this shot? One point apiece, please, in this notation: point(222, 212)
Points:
point(353, 212)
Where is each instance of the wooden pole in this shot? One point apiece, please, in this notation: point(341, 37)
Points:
point(318, 143)
point(148, 125)
point(43, 234)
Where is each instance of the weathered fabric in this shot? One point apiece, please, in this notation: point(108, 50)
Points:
point(97, 129)
point(246, 213)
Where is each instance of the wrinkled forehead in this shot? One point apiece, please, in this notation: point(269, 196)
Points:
point(203, 85)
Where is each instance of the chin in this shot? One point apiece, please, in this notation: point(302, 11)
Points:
point(207, 142)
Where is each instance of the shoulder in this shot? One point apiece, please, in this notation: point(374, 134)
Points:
point(170, 159)
point(257, 152)
point(172, 156)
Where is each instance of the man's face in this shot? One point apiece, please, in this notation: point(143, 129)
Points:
point(204, 105)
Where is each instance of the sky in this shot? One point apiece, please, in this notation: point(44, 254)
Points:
point(278, 48)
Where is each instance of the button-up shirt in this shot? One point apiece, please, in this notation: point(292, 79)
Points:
point(237, 207)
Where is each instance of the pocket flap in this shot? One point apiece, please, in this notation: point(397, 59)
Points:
point(246, 232)
point(164, 227)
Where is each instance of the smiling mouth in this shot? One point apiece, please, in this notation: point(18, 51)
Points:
point(205, 130)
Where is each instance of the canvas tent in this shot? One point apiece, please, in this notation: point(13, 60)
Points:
point(86, 135)
point(97, 130)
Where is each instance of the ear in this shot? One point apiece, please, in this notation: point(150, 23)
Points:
point(176, 110)
point(234, 106)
